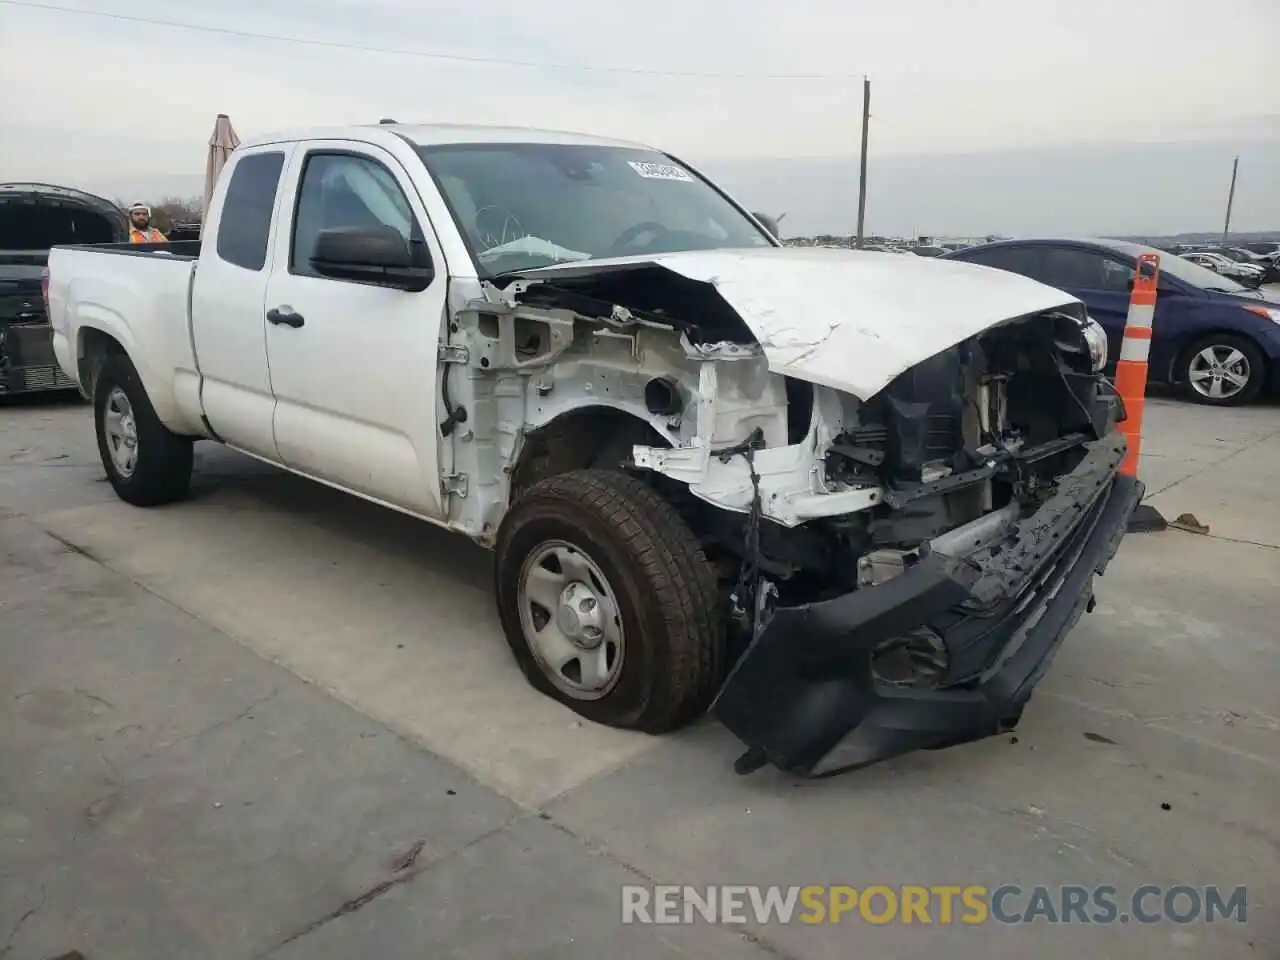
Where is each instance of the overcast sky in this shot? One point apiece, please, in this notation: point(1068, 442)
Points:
point(1006, 116)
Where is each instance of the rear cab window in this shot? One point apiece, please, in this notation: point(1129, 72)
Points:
point(244, 225)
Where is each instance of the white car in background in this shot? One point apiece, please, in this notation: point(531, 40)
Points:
point(1246, 273)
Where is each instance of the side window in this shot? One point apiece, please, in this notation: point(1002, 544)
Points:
point(250, 201)
point(1086, 269)
point(342, 190)
point(1013, 259)
point(1116, 276)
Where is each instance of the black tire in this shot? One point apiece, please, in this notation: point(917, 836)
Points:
point(162, 469)
point(666, 593)
point(1257, 369)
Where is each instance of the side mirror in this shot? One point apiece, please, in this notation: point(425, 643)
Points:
point(377, 255)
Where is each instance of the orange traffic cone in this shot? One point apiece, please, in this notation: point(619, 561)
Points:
point(1131, 379)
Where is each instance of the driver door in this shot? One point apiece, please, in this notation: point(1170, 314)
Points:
point(353, 364)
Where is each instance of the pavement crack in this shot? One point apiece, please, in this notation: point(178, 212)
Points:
point(409, 858)
point(14, 930)
point(349, 906)
point(227, 721)
point(748, 936)
point(94, 697)
point(412, 870)
point(1251, 543)
point(74, 547)
point(1212, 466)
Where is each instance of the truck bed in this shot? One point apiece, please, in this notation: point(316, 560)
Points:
point(138, 294)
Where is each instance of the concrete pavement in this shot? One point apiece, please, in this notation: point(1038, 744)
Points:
point(231, 722)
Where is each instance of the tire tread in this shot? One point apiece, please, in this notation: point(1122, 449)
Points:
point(675, 571)
point(163, 471)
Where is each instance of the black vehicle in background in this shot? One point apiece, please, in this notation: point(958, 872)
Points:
point(33, 218)
point(184, 230)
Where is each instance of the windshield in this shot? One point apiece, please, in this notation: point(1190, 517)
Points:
point(527, 205)
point(1189, 273)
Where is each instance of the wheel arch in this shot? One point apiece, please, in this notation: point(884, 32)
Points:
point(94, 345)
point(595, 436)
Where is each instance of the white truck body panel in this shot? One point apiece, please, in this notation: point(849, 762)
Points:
point(227, 328)
point(354, 398)
point(141, 302)
point(350, 403)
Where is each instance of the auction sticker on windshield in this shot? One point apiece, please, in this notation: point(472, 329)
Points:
point(660, 171)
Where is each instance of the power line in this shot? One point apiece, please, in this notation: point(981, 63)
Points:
point(421, 54)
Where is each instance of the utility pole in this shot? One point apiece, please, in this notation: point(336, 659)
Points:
point(862, 167)
point(1231, 195)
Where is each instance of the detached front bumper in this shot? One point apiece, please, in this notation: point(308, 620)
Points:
point(804, 698)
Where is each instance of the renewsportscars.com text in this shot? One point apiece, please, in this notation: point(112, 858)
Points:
point(935, 904)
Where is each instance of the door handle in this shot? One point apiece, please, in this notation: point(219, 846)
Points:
point(285, 316)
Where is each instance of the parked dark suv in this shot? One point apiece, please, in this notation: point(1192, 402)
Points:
point(1217, 339)
point(34, 217)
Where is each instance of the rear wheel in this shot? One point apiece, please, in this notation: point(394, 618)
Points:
point(608, 602)
point(147, 464)
point(1222, 370)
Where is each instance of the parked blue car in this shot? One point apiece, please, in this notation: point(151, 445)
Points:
point(1215, 338)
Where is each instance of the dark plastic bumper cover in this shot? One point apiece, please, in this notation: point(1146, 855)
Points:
point(803, 697)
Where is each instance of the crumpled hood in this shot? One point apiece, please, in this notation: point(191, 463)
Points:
point(849, 319)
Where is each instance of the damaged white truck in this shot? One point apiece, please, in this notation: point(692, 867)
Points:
point(851, 502)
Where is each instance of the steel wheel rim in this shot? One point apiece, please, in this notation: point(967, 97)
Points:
point(571, 621)
point(1219, 372)
point(120, 431)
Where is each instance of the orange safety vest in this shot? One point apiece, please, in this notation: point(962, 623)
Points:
point(150, 235)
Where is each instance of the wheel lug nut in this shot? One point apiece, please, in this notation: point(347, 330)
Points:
point(587, 605)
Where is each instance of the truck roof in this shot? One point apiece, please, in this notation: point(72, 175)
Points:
point(435, 134)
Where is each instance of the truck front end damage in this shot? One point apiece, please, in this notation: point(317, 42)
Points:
point(946, 650)
point(907, 509)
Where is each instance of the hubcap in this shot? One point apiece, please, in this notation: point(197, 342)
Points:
point(1219, 372)
point(570, 619)
point(120, 431)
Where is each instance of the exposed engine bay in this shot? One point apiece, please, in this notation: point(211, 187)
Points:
point(905, 490)
point(823, 492)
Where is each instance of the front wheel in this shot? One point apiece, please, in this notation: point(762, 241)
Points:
point(147, 464)
point(608, 602)
point(1222, 370)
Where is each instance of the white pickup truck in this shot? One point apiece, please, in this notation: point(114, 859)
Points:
point(852, 501)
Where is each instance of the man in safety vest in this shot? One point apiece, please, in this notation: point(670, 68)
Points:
point(140, 228)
